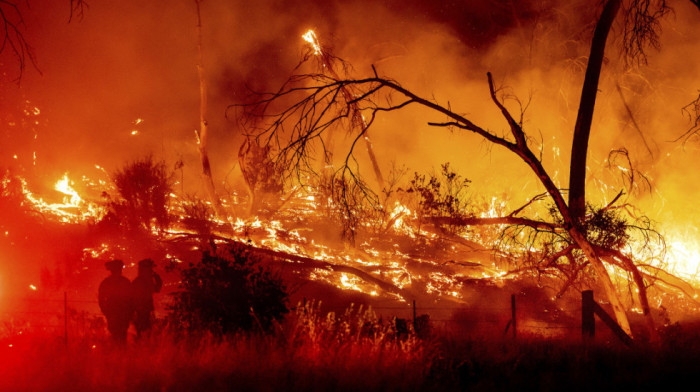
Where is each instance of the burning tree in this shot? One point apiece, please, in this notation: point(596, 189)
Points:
point(577, 240)
point(321, 109)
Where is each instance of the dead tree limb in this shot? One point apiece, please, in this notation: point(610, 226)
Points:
point(628, 265)
point(504, 220)
point(692, 110)
point(11, 24)
point(571, 278)
point(203, 134)
point(358, 120)
point(670, 280)
point(642, 27)
point(634, 121)
point(77, 9)
point(529, 202)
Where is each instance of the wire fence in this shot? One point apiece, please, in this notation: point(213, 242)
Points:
point(70, 317)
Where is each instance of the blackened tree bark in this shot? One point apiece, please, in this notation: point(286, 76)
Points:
point(582, 129)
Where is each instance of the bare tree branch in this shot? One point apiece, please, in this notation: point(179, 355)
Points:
point(78, 9)
point(692, 110)
point(11, 23)
point(504, 220)
point(642, 26)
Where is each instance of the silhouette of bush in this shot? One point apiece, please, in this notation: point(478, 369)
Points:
point(228, 291)
point(144, 188)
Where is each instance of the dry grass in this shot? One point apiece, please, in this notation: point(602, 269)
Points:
point(351, 351)
point(354, 350)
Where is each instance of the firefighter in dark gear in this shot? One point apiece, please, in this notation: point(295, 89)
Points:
point(143, 287)
point(114, 297)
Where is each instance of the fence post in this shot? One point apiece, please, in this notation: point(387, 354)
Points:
point(587, 314)
point(414, 315)
point(512, 316)
point(65, 317)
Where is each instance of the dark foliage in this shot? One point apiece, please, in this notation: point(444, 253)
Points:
point(229, 291)
point(606, 228)
point(144, 188)
point(441, 195)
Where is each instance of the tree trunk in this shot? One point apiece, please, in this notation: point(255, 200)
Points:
point(204, 126)
point(603, 278)
point(580, 240)
point(579, 146)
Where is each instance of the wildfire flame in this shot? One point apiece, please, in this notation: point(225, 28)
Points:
point(364, 269)
point(64, 186)
point(310, 37)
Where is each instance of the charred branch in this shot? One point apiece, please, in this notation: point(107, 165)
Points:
point(77, 9)
point(634, 121)
point(692, 110)
point(642, 25)
point(307, 262)
point(631, 177)
point(11, 23)
point(504, 220)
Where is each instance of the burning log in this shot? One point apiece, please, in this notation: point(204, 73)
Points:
point(308, 263)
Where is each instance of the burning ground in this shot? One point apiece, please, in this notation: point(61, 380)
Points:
point(118, 113)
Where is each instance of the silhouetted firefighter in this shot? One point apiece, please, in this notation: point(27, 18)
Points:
point(143, 287)
point(114, 297)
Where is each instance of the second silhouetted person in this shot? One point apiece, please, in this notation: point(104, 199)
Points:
point(143, 287)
